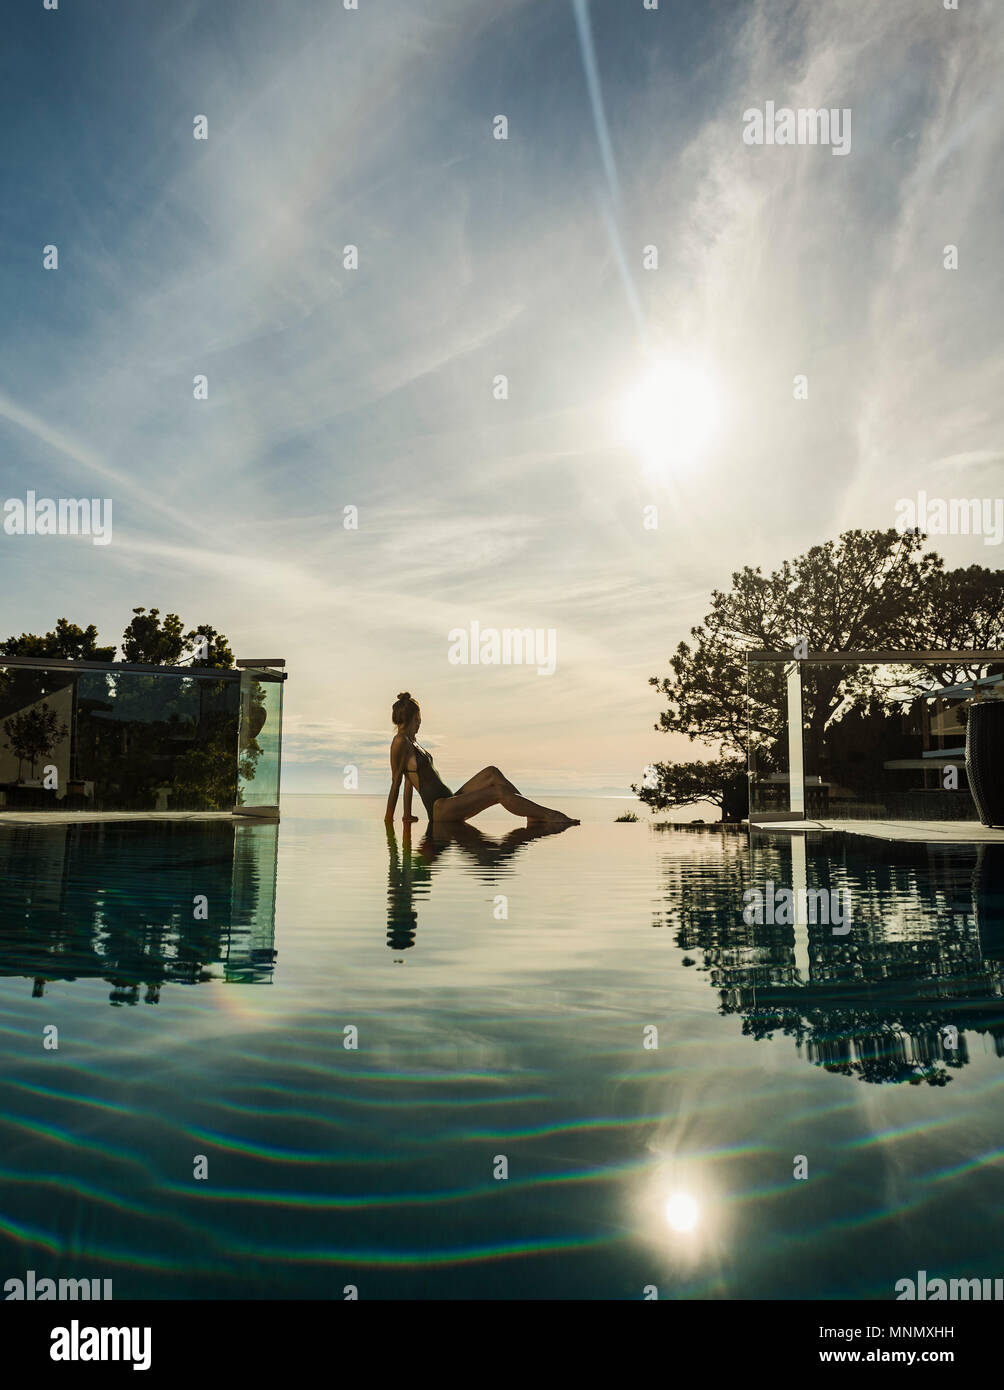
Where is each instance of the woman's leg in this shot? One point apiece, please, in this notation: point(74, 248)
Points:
point(462, 805)
point(491, 788)
point(487, 777)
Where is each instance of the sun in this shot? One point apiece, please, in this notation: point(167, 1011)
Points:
point(682, 1212)
point(671, 416)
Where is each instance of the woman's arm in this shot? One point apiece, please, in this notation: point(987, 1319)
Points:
point(396, 773)
point(398, 765)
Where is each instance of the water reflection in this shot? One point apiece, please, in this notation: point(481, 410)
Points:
point(890, 1001)
point(410, 874)
point(138, 905)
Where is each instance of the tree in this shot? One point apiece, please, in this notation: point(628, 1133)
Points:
point(868, 590)
point(723, 783)
point(69, 642)
point(218, 653)
point(147, 640)
point(962, 610)
point(33, 734)
point(859, 592)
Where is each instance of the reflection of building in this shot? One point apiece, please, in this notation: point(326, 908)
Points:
point(118, 736)
point(249, 954)
point(922, 965)
point(138, 905)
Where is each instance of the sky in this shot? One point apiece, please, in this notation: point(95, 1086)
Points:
point(528, 258)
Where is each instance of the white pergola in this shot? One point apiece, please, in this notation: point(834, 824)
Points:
point(793, 664)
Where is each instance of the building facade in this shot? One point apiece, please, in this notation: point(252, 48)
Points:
point(119, 736)
point(865, 735)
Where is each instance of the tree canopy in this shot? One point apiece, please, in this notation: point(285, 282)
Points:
point(68, 641)
point(867, 590)
point(146, 640)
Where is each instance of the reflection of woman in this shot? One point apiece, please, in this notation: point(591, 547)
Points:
point(491, 855)
point(403, 875)
point(413, 765)
point(409, 875)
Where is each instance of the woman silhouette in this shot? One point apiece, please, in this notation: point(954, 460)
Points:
point(413, 765)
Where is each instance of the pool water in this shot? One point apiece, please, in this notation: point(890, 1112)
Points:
point(298, 1059)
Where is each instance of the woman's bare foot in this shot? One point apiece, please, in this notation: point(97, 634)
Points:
point(558, 818)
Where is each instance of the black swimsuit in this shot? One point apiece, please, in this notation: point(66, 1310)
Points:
point(431, 787)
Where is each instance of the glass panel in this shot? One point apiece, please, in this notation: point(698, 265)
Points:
point(260, 740)
point(156, 742)
point(36, 728)
point(879, 740)
point(896, 748)
point(117, 741)
point(250, 957)
point(767, 714)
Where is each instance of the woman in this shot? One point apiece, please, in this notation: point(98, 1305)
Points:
point(413, 765)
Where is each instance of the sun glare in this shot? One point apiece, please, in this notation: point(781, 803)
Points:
point(681, 1212)
point(671, 416)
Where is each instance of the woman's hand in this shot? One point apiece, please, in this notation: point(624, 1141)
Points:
point(409, 820)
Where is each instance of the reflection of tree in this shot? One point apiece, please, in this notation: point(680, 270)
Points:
point(33, 734)
point(21, 687)
point(204, 777)
point(924, 951)
point(139, 733)
point(251, 725)
point(135, 734)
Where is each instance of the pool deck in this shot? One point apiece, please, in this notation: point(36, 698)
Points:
point(959, 832)
point(78, 817)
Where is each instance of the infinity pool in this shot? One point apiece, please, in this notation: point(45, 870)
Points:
point(298, 1059)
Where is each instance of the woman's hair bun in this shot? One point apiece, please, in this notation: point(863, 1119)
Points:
point(405, 708)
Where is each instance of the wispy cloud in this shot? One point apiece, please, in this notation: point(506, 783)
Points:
point(479, 258)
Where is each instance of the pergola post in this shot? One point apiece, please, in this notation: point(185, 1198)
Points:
point(796, 769)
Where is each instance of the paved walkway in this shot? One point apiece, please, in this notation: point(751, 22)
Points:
point(928, 831)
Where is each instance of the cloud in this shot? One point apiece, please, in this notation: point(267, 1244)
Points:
point(373, 388)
